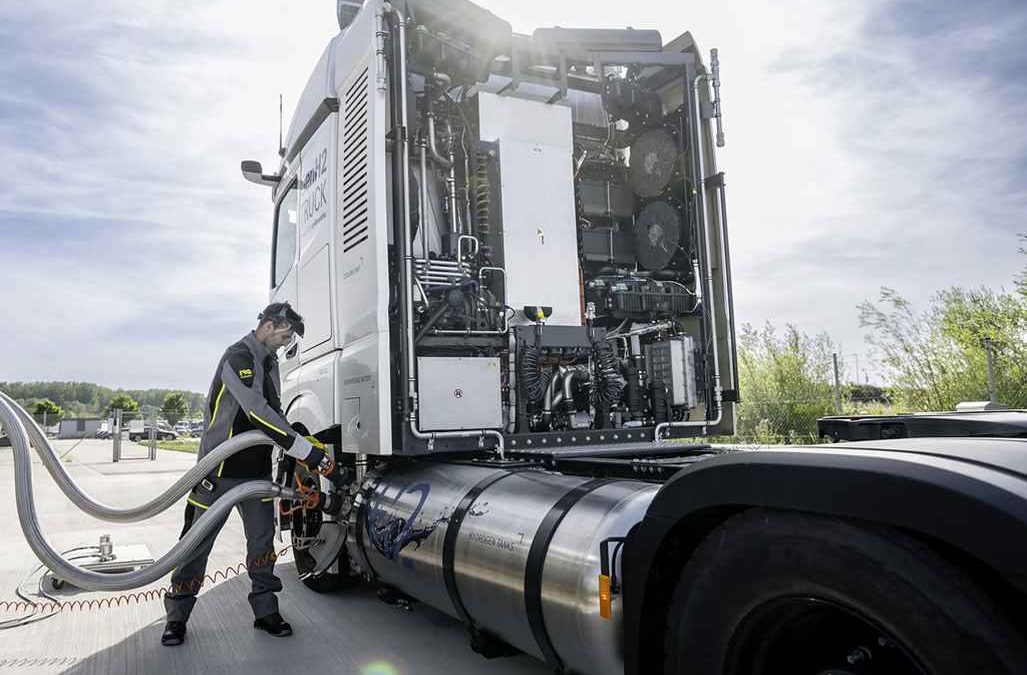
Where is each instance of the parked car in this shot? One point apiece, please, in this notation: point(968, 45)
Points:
point(162, 434)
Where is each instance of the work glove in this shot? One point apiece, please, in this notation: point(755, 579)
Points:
point(317, 459)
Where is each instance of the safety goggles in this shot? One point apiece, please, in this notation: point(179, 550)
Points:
point(284, 314)
point(284, 329)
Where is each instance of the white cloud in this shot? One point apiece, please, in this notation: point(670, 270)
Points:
point(852, 162)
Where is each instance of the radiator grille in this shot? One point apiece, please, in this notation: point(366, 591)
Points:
point(353, 149)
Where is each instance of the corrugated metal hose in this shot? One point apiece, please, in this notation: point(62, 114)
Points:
point(24, 432)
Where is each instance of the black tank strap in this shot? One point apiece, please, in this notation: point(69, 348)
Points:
point(452, 533)
point(536, 562)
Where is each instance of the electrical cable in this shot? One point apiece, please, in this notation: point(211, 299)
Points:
point(608, 382)
point(56, 606)
point(31, 617)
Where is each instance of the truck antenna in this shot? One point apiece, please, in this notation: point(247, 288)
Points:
point(281, 147)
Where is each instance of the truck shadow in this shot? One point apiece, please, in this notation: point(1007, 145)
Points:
point(347, 633)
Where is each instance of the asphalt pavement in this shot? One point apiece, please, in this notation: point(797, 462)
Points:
point(346, 633)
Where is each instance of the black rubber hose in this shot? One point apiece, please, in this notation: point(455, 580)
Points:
point(608, 381)
point(533, 380)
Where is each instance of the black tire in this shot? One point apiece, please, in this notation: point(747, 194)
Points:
point(775, 592)
point(134, 438)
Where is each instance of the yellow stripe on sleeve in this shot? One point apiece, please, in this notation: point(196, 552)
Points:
point(268, 424)
point(217, 402)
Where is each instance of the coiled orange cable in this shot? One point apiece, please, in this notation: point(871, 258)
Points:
point(139, 597)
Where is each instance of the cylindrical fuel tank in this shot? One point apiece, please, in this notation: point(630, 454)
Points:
point(514, 551)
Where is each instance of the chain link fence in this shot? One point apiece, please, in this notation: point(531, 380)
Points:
point(794, 422)
point(147, 427)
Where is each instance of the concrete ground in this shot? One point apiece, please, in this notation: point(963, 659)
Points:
point(344, 633)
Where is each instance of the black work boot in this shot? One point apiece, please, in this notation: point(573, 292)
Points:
point(273, 623)
point(174, 633)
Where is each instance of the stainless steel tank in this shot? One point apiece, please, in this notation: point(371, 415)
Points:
point(522, 556)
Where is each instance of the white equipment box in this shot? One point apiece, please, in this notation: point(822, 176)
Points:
point(459, 392)
point(540, 238)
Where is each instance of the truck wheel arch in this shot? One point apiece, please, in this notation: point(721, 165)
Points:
point(306, 411)
point(972, 512)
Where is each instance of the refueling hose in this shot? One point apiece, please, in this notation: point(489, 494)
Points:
point(208, 521)
point(158, 504)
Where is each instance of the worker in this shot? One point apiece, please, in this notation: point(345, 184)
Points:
point(245, 395)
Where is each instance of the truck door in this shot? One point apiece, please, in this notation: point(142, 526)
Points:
point(316, 207)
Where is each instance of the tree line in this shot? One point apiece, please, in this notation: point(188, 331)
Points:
point(85, 399)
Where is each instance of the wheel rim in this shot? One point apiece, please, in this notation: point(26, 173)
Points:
point(812, 636)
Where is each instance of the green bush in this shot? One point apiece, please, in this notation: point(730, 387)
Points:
point(786, 384)
point(937, 358)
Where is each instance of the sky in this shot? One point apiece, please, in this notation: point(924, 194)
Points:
point(869, 144)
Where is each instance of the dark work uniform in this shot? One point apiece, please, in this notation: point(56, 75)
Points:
point(244, 395)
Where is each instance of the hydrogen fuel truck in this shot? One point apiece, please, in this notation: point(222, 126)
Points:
point(511, 254)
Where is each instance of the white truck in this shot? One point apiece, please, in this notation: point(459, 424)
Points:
point(511, 254)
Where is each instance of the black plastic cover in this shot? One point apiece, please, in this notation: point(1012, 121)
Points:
point(996, 423)
point(970, 494)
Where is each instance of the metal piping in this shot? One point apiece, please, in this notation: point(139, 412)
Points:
point(568, 384)
point(666, 325)
point(100, 581)
point(550, 394)
point(433, 148)
point(446, 163)
point(697, 281)
point(205, 466)
point(710, 298)
point(379, 52)
point(505, 321)
point(451, 184)
point(562, 392)
point(407, 274)
point(399, 86)
point(725, 268)
point(423, 211)
point(715, 68)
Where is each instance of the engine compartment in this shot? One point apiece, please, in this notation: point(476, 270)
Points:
point(558, 235)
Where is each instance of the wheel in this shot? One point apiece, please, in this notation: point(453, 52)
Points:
point(307, 526)
point(774, 592)
point(133, 437)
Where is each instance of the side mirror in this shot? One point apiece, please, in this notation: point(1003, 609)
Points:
point(254, 172)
